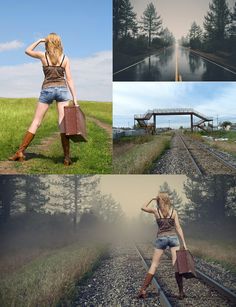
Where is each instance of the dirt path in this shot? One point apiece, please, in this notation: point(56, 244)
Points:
point(103, 125)
point(10, 167)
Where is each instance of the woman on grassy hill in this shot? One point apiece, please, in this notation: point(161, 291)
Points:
point(56, 68)
point(168, 228)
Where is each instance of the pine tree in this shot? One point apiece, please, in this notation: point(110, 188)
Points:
point(195, 36)
point(167, 38)
point(208, 197)
point(8, 186)
point(124, 19)
point(233, 23)
point(217, 23)
point(71, 194)
point(151, 23)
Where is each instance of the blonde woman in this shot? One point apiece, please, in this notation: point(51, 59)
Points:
point(56, 68)
point(168, 228)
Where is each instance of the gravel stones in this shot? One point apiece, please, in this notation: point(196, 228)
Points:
point(177, 160)
point(116, 282)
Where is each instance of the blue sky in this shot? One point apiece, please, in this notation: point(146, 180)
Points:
point(214, 99)
point(84, 26)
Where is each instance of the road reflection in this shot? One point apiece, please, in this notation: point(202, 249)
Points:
point(162, 67)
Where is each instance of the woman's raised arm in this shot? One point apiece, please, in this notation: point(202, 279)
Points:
point(146, 209)
point(35, 54)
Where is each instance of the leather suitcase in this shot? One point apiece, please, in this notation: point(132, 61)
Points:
point(185, 263)
point(75, 124)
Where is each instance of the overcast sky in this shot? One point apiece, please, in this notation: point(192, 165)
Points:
point(214, 99)
point(86, 31)
point(177, 15)
point(132, 191)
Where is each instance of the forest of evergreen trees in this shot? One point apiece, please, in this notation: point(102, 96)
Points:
point(69, 200)
point(134, 37)
point(218, 33)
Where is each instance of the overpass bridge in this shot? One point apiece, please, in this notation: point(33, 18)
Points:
point(197, 119)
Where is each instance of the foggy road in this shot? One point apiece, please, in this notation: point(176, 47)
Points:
point(175, 64)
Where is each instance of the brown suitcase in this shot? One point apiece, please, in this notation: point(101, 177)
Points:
point(75, 124)
point(185, 263)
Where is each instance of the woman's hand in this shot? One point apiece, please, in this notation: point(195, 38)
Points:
point(184, 245)
point(75, 102)
point(42, 40)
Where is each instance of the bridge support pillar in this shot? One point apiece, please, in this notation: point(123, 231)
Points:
point(154, 123)
point(191, 115)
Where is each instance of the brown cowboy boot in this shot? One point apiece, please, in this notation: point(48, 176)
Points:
point(66, 149)
point(179, 280)
point(146, 283)
point(19, 155)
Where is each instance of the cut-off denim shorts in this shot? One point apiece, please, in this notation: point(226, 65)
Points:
point(58, 93)
point(163, 242)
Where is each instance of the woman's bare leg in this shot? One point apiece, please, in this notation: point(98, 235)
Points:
point(173, 255)
point(155, 260)
point(40, 112)
point(149, 276)
point(178, 277)
point(60, 109)
point(65, 142)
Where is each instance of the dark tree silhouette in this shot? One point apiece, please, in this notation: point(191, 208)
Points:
point(124, 19)
point(216, 23)
point(195, 36)
point(106, 208)
point(7, 194)
point(71, 194)
point(232, 33)
point(209, 197)
point(151, 23)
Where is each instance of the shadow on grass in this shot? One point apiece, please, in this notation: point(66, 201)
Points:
point(55, 159)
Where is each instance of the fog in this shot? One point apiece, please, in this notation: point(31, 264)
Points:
point(178, 15)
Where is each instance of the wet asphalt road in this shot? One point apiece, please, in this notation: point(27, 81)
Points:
point(175, 64)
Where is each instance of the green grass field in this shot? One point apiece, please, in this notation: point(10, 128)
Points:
point(51, 278)
point(92, 157)
point(137, 156)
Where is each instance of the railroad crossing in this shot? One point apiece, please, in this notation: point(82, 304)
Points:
point(148, 121)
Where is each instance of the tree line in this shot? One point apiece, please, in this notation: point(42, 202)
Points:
point(219, 30)
point(133, 36)
point(76, 197)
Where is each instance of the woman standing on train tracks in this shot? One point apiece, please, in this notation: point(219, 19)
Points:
point(168, 228)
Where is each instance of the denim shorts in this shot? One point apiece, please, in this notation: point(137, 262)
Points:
point(58, 93)
point(163, 242)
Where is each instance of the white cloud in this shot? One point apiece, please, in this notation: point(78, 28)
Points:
point(92, 77)
point(131, 98)
point(11, 45)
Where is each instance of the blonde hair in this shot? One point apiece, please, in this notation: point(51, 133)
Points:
point(53, 47)
point(166, 205)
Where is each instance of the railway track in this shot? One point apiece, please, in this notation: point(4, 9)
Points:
point(205, 160)
point(203, 291)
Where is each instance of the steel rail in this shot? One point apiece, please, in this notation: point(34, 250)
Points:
point(217, 286)
point(199, 171)
point(226, 163)
point(213, 284)
point(161, 295)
